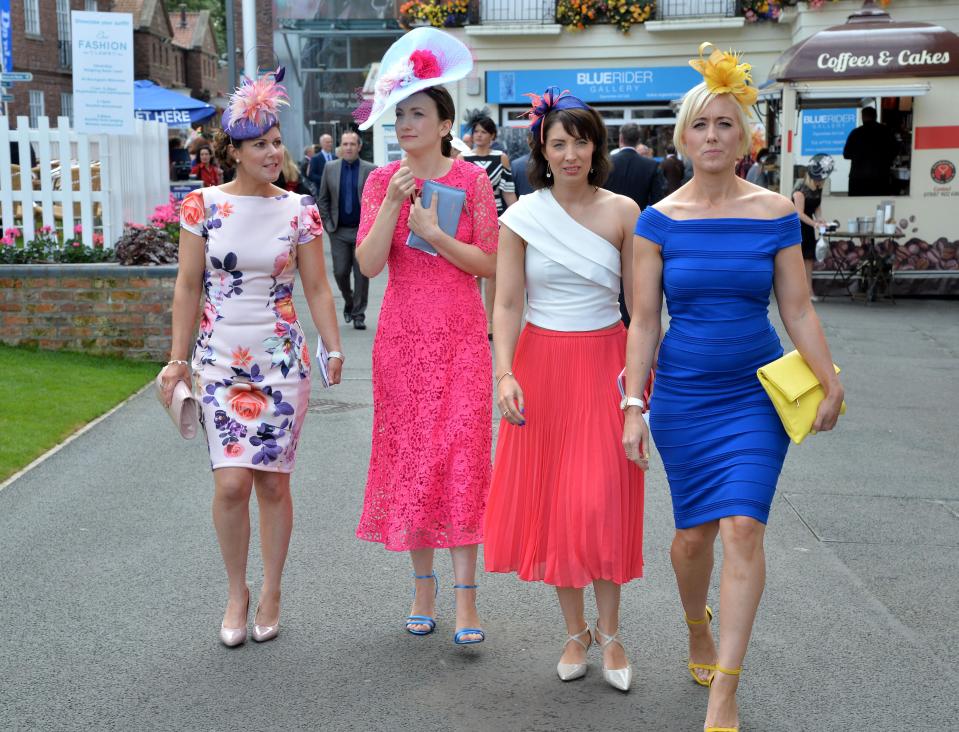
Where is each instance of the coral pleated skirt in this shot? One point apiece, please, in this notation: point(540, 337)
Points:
point(565, 506)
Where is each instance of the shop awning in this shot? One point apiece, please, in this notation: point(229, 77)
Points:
point(154, 102)
point(870, 45)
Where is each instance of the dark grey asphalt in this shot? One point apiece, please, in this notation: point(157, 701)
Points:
point(111, 585)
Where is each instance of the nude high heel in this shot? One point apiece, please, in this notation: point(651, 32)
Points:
point(573, 671)
point(263, 633)
point(618, 678)
point(231, 637)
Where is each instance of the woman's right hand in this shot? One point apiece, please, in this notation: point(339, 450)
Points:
point(509, 399)
point(402, 184)
point(636, 438)
point(169, 376)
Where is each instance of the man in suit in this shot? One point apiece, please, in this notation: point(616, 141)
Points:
point(635, 176)
point(341, 190)
point(323, 156)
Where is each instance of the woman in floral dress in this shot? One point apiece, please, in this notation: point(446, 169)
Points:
point(241, 244)
point(432, 420)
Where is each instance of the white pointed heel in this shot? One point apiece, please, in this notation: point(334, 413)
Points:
point(618, 678)
point(573, 671)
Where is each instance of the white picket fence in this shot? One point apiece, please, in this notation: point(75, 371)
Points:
point(110, 180)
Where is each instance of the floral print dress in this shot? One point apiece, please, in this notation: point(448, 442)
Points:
point(251, 363)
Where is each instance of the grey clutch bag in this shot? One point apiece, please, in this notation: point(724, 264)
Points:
point(184, 409)
point(448, 212)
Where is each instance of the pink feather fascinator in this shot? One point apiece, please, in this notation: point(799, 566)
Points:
point(255, 106)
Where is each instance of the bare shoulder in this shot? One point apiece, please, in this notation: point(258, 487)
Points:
point(775, 204)
point(504, 159)
point(672, 205)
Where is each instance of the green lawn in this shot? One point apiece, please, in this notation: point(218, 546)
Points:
point(51, 394)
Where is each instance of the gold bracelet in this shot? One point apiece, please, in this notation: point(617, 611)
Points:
point(508, 373)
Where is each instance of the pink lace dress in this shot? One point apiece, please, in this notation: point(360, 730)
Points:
point(432, 414)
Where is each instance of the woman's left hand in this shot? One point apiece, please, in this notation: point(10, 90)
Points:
point(828, 413)
point(335, 370)
point(424, 221)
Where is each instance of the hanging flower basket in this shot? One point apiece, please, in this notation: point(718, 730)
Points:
point(626, 13)
point(579, 14)
point(437, 13)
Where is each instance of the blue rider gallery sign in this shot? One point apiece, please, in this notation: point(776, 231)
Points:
point(633, 84)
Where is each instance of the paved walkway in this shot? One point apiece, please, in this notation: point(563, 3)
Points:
point(111, 585)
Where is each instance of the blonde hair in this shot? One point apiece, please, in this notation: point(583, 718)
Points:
point(694, 102)
point(291, 173)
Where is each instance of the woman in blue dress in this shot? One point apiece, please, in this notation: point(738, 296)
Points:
point(715, 248)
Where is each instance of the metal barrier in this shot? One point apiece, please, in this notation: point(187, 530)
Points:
point(536, 12)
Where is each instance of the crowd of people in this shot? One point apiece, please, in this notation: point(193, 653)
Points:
point(563, 502)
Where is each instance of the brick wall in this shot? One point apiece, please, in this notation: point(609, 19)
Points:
point(265, 57)
point(95, 308)
point(39, 55)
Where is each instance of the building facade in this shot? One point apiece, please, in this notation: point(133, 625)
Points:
point(42, 45)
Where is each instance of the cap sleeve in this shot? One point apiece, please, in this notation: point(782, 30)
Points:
point(652, 225)
point(311, 225)
point(193, 213)
point(790, 233)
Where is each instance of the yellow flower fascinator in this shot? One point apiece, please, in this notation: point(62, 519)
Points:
point(724, 74)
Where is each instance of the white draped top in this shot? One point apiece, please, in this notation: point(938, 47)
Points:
point(572, 274)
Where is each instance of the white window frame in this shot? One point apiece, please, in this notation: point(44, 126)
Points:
point(64, 35)
point(31, 17)
point(37, 106)
point(90, 6)
point(66, 105)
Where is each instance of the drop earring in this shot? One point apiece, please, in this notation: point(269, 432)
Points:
point(591, 171)
point(549, 173)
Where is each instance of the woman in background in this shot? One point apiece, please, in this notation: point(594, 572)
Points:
point(496, 164)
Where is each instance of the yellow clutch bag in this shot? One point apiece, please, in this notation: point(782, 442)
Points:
point(795, 393)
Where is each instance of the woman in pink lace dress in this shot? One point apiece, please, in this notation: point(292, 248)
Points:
point(432, 414)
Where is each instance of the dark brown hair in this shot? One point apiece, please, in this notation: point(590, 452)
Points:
point(580, 122)
point(487, 124)
point(446, 111)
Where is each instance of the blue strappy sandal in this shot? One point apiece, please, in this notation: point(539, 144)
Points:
point(458, 637)
point(422, 619)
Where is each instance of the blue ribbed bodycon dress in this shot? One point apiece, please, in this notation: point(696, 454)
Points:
point(720, 439)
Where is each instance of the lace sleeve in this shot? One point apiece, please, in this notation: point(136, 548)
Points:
point(373, 194)
point(482, 206)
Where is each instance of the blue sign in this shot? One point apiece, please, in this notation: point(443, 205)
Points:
point(825, 130)
point(6, 36)
point(629, 84)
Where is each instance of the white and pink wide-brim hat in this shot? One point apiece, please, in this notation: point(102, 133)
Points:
point(422, 58)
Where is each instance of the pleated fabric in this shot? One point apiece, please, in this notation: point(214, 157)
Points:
point(716, 430)
point(565, 506)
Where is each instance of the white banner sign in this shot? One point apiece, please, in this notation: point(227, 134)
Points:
point(103, 72)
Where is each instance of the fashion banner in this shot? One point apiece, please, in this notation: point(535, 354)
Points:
point(103, 72)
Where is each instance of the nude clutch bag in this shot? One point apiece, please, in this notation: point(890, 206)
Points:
point(795, 393)
point(183, 410)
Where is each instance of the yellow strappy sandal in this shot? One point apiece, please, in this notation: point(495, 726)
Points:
point(693, 667)
point(728, 672)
